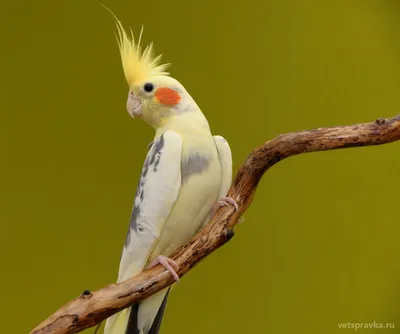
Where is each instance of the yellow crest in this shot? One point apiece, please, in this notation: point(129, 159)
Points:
point(138, 65)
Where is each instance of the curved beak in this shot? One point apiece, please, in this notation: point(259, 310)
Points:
point(134, 105)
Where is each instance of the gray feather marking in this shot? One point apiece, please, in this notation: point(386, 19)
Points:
point(195, 164)
point(155, 327)
point(152, 161)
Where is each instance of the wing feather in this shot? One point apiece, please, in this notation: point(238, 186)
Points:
point(225, 159)
point(156, 194)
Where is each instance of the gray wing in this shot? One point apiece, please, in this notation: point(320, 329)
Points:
point(156, 194)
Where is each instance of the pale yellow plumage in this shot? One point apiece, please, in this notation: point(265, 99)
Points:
point(191, 207)
point(169, 208)
point(138, 64)
point(191, 204)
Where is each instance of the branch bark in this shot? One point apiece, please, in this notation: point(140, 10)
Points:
point(91, 308)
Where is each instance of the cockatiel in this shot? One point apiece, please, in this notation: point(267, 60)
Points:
point(186, 175)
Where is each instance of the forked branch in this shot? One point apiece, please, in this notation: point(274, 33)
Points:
point(91, 308)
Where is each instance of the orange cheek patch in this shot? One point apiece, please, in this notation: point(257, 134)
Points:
point(167, 96)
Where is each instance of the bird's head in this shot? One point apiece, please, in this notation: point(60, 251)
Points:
point(153, 95)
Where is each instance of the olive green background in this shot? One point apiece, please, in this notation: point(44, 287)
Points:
point(320, 243)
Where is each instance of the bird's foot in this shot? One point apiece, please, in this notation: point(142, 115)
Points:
point(168, 264)
point(224, 201)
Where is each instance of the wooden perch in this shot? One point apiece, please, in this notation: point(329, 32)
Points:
point(91, 308)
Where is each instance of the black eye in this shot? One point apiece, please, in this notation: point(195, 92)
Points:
point(148, 87)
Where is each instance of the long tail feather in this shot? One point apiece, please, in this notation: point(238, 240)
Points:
point(132, 321)
point(132, 327)
point(155, 328)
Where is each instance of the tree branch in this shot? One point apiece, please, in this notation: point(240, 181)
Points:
point(91, 308)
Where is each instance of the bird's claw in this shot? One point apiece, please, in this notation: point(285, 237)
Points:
point(224, 201)
point(168, 264)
